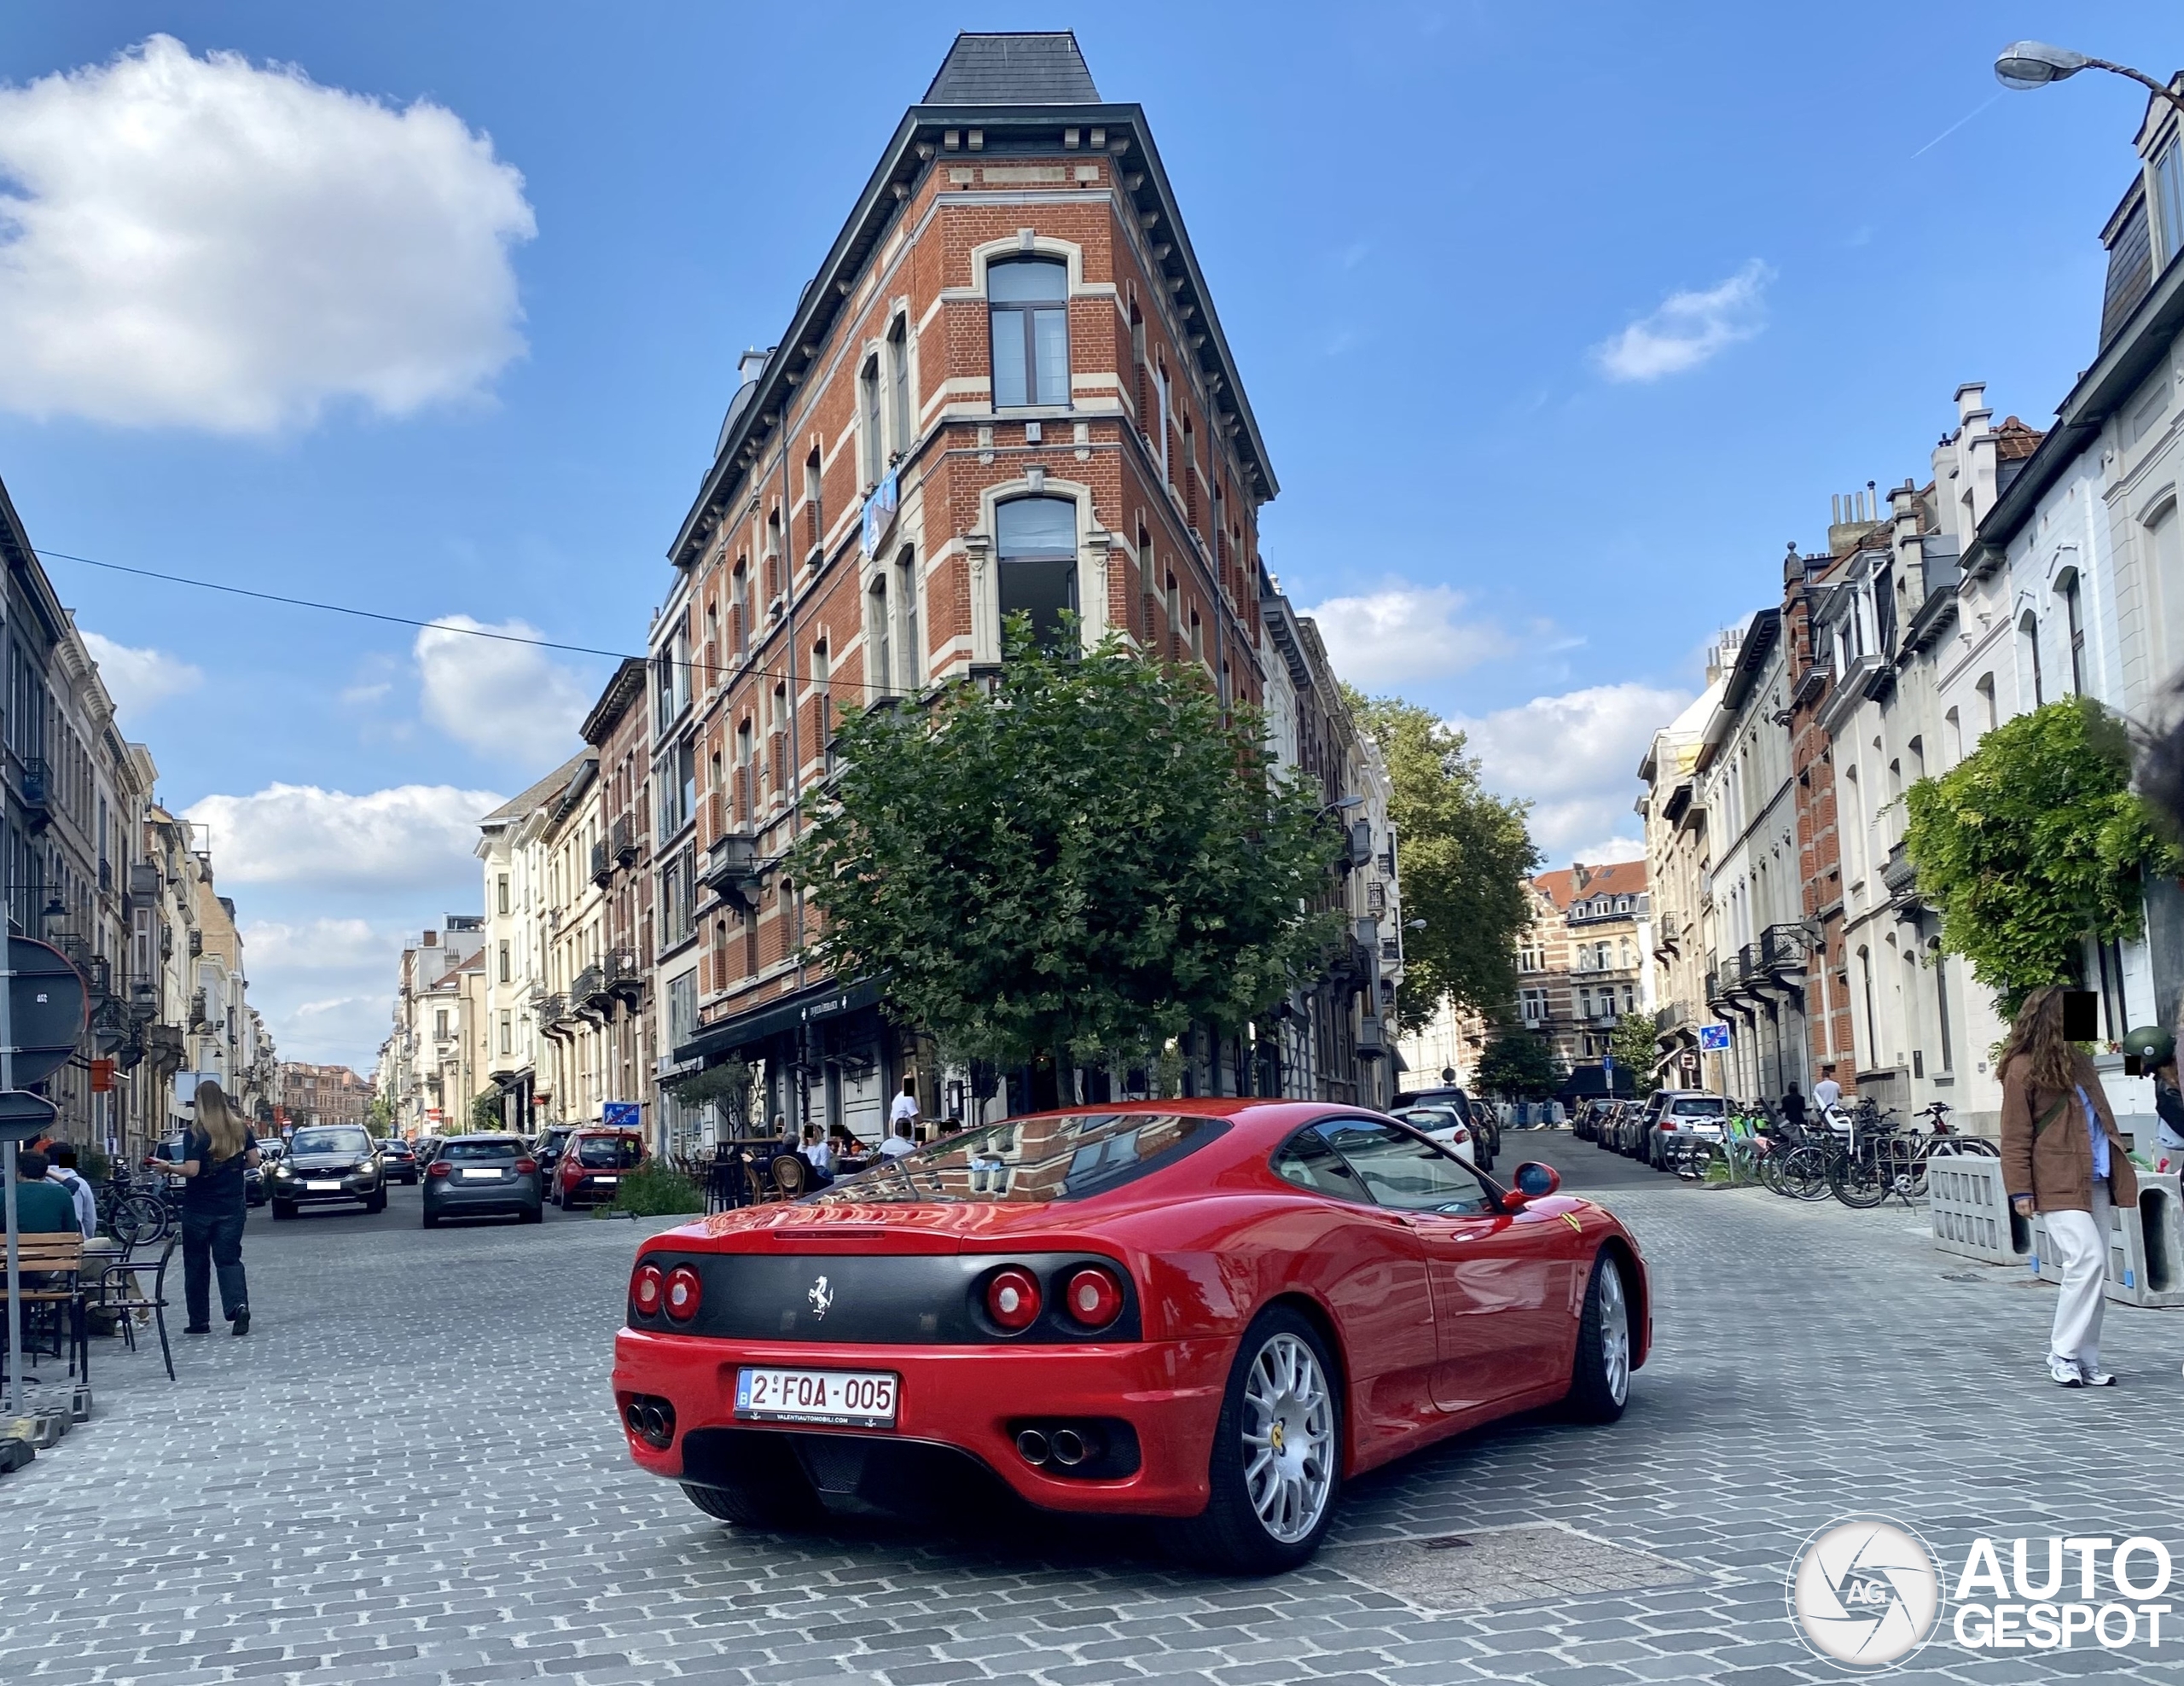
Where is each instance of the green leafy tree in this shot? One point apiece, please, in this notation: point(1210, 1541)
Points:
point(2035, 842)
point(1463, 857)
point(381, 1114)
point(1520, 1065)
point(1634, 1050)
point(1078, 860)
point(485, 1112)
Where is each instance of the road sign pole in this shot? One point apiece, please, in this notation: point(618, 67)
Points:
point(8, 1168)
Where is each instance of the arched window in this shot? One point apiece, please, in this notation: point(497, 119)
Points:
point(1028, 300)
point(2066, 588)
point(2029, 630)
point(1036, 543)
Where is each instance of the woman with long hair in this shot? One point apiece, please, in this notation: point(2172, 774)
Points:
point(217, 1149)
point(2063, 1157)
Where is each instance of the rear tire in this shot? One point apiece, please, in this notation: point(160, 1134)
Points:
point(776, 1496)
point(532, 1214)
point(283, 1210)
point(431, 1220)
point(1276, 1466)
point(1599, 1380)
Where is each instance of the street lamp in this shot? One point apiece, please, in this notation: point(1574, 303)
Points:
point(2035, 64)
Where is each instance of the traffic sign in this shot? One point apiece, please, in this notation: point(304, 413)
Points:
point(25, 1117)
point(1714, 1038)
point(47, 1010)
point(622, 1114)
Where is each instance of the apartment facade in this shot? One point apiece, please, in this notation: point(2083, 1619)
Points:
point(429, 1071)
point(92, 863)
point(310, 1093)
point(1005, 392)
point(519, 915)
point(1583, 962)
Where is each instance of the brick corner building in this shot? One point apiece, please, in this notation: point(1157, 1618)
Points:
point(1005, 391)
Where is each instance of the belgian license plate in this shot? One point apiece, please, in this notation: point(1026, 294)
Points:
point(859, 1398)
point(606, 1179)
point(323, 1188)
point(471, 1176)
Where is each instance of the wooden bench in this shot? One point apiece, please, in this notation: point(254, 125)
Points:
point(51, 1266)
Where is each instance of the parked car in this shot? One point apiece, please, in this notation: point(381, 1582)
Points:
point(547, 1146)
point(1585, 1122)
point(1444, 1124)
point(1153, 1303)
point(480, 1175)
point(399, 1160)
point(593, 1164)
point(1685, 1112)
point(327, 1163)
point(1485, 1125)
point(424, 1148)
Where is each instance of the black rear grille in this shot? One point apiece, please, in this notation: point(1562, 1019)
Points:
point(879, 1299)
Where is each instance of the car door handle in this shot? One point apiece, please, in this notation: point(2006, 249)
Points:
point(1401, 1220)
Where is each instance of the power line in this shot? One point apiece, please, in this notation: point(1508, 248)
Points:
point(433, 625)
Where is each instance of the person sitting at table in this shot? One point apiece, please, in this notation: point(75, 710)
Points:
point(899, 1144)
point(42, 1208)
point(819, 1154)
point(62, 1158)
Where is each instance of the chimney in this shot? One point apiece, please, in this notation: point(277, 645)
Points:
point(1580, 876)
point(431, 939)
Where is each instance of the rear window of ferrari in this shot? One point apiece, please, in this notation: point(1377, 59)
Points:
point(1071, 1157)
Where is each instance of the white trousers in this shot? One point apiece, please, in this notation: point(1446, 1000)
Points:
point(2079, 1241)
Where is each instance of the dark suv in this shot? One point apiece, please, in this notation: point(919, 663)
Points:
point(325, 1163)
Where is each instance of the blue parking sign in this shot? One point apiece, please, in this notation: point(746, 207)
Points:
point(1714, 1038)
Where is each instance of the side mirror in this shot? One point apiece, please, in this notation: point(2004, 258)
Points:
point(1532, 1181)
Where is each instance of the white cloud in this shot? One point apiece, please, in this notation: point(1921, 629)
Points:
point(316, 945)
point(139, 680)
point(1576, 756)
point(210, 243)
point(508, 700)
point(1688, 329)
point(409, 837)
point(1405, 632)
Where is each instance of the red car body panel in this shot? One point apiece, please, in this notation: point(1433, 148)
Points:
point(1437, 1323)
point(573, 1181)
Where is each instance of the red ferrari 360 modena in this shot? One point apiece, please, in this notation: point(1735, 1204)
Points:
point(1211, 1310)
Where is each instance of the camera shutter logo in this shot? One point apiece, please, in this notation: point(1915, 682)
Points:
point(1865, 1592)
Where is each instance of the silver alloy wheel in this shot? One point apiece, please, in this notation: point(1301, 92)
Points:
point(1615, 1332)
point(1288, 1431)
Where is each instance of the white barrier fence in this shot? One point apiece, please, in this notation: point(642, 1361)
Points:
point(2146, 1246)
point(1970, 1210)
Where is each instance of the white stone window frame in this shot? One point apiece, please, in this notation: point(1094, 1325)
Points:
point(1093, 544)
point(1028, 243)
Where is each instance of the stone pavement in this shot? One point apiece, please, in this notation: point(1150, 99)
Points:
point(411, 1471)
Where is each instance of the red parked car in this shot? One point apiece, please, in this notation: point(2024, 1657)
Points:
point(592, 1165)
point(1214, 1311)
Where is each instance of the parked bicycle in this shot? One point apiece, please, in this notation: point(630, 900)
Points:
point(136, 1211)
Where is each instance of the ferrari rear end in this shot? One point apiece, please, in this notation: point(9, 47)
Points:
point(770, 1366)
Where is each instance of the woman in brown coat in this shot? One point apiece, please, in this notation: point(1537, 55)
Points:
point(2063, 1157)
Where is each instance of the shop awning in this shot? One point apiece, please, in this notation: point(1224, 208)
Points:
point(814, 1004)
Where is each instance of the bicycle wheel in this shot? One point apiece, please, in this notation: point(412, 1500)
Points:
point(1859, 1182)
point(1805, 1174)
point(134, 1219)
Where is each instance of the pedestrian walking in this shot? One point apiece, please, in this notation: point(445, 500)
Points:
point(1793, 1108)
point(1827, 1092)
point(60, 1158)
point(217, 1149)
point(2063, 1157)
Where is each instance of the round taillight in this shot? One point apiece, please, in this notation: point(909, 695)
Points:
point(1013, 1298)
point(645, 1289)
point(1093, 1297)
point(682, 1294)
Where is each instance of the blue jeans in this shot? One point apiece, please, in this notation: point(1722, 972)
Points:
point(212, 1241)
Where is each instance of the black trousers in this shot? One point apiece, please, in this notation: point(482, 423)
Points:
point(212, 1241)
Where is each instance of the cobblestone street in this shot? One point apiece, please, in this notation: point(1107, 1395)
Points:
point(411, 1471)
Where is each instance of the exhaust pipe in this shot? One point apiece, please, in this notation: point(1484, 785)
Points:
point(1032, 1447)
point(1070, 1448)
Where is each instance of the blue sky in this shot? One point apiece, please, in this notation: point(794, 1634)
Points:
point(468, 357)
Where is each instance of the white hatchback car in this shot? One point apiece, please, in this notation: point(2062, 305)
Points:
point(1444, 1124)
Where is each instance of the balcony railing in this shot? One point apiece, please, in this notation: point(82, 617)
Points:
point(624, 842)
point(1900, 875)
point(1670, 1017)
point(624, 975)
point(551, 1009)
point(602, 865)
point(590, 986)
